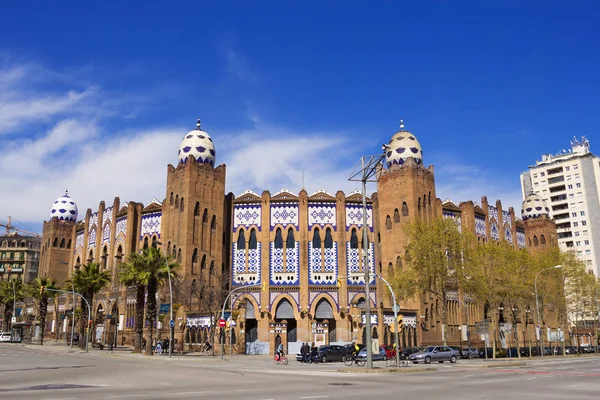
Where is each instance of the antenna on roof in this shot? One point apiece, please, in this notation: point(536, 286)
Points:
point(303, 178)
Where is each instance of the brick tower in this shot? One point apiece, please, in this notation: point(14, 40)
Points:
point(540, 230)
point(58, 240)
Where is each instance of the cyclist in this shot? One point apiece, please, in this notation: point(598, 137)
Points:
point(355, 350)
point(280, 351)
point(207, 346)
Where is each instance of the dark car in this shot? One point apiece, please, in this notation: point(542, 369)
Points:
point(408, 351)
point(349, 348)
point(332, 353)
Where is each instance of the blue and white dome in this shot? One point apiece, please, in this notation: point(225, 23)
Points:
point(64, 209)
point(403, 145)
point(533, 207)
point(198, 144)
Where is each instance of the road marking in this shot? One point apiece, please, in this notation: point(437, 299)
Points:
point(530, 379)
point(467, 376)
point(187, 393)
point(314, 397)
point(245, 390)
point(125, 395)
point(65, 398)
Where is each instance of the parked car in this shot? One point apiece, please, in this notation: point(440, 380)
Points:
point(434, 353)
point(470, 352)
point(407, 352)
point(457, 351)
point(377, 356)
point(5, 337)
point(332, 353)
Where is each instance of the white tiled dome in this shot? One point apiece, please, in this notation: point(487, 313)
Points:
point(198, 144)
point(64, 209)
point(402, 146)
point(533, 207)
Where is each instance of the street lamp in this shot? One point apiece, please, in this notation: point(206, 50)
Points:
point(537, 305)
point(467, 333)
point(171, 322)
point(73, 317)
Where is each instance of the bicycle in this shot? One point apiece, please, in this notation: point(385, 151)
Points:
point(391, 362)
point(348, 361)
point(281, 359)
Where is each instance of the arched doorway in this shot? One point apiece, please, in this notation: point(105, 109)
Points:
point(324, 313)
point(251, 325)
point(285, 313)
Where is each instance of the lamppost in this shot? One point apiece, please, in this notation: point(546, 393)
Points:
point(395, 308)
point(171, 322)
point(527, 312)
point(366, 171)
point(223, 312)
point(467, 333)
point(537, 305)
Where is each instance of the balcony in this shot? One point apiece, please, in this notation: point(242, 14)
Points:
point(558, 207)
point(561, 216)
point(558, 188)
point(556, 179)
point(560, 197)
point(554, 171)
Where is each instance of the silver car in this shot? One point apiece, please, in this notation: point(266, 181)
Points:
point(434, 353)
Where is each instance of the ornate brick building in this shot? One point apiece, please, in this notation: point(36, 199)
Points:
point(299, 254)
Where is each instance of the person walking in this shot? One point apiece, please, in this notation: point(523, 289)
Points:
point(314, 353)
point(303, 353)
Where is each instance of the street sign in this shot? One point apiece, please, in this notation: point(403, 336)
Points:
point(13, 320)
point(164, 308)
point(396, 308)
point(232, 324)
point(222, 323)
point(172, 324)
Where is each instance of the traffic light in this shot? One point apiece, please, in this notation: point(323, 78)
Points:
point(42, 289)
point(400, 322)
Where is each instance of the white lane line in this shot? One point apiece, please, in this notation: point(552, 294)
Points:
point(188, 393)
point(467, 376)
point(65, 398)
point(246, 390)
point(531, 379)
point(314, 397)
point(125, 395)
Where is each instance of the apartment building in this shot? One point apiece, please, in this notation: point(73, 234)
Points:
point(569, 183)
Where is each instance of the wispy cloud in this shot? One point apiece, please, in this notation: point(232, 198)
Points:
point(235, 63)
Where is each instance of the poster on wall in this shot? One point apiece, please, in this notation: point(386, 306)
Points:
point(319, 339)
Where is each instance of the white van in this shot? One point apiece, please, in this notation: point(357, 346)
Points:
point(5, 337)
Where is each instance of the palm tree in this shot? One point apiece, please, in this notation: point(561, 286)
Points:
point(38, 290)
point(131, 274)
point(155, 270)
point(88, 280)
point(9, 295)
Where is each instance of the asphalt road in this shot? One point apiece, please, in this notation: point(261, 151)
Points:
point(44, 373)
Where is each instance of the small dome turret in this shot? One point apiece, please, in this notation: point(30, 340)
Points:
point(64, 209)
point(198, 144)
point(403, 145)
point(533, 207)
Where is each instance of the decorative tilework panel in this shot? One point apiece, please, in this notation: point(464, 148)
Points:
point(121, 232)
point(275, 298)
point(254, 259)
point(508, 233)
point(151, 224)
point(287, 275)
point(353, 296)
point(328, 275)
point(354, 216)
point(92, 238)
point(106, 234)
point(241, 274)
point(79, 240)
point(480, 225)
point(520, 238)
point(454, 215)
point(506, 218)
point(284, 214)
point(93, 220)
point(247, 215)
point(354, 259)
point(494, 231)
point(322, 214)
point(492, 213)
point(107, 216)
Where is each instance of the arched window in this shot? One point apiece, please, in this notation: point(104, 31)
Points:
point(278, 239)
point(154, 239)
point(316, 239)
point(62, 243)
point(197, 209)
point(179, 256)
point(290, 242)
point(104, 258)
point(213, 223)
point(205, 216)
point(181, 205)
point(398, 262)
point(424, 202)
point(55, 242)
point(328, 239)
point(404, 209)
point(69, 244)
point(203, 263)
point(211, 270)
point(241, 242)
point(388, 222)
point(419, 206)
point(176, 201)
point(171, 199)
point(353, 239)
point(390, 270)
point(91, 256)
point(542, 240)
point(429, 199)
point(174, 253)
point(396, 216)
point(535, 241)
point(253, 244)
point(195, 261)
point(146, 242)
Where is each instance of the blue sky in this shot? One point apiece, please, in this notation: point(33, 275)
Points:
point(96, 98)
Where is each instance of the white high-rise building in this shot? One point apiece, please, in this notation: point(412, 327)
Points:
point(569, 182)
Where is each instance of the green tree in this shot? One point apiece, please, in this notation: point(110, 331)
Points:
point(154, 272)
point(88, 281)
point(132, 274)
point(41, 290)
point(9, 295)
point(435, 262)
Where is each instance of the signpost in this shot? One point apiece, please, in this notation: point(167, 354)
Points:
point(172, 323)
point(222, 323)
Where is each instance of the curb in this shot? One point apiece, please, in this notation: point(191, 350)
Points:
point(496, 365)
point(379, 370)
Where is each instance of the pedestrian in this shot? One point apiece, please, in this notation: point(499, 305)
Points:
point(144, 344)
point(303, 352)
point(158, 347)
point(314, 353)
